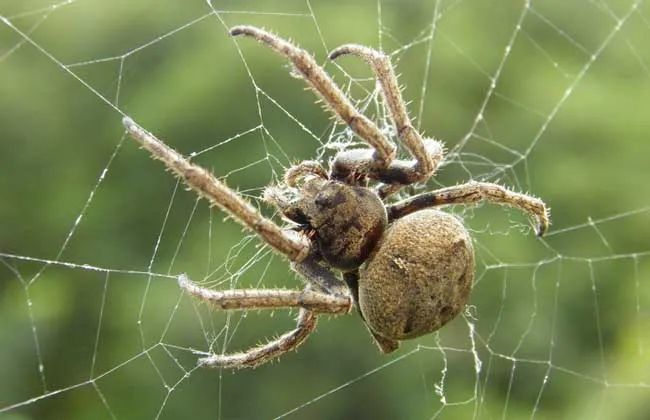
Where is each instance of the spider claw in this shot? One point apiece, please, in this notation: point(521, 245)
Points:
point(337, 52)
point(365, 53)
point(346, 49)
point(542, 227)
point(260, 35)
point(543, 221)
point(242, 30)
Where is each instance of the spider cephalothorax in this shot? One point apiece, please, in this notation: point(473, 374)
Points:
point(407, 267)
point(347, 220)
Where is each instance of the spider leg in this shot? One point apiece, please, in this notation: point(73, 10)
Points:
point(325, 87)
point(295, 246)
point(427, 153)
point(261, 354)
point(473, 192)
point(309, 301)
point(245, 299)
point(320, 278)
point(400, 172)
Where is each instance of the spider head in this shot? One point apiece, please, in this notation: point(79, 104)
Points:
point(348, 221)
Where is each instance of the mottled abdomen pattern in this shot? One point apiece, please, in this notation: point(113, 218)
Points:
point(419, 277)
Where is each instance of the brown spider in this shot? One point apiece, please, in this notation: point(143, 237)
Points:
point(408, 268)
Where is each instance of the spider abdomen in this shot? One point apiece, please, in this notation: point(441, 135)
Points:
point(420, 276)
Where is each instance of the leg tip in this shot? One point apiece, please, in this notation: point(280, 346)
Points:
point(368, 54)
point(206, 362)
point(236, 30)
point(184, 282)
point(346, 49)
point(337, 52)
point(128, 123)
point(244, 30)
point(541, 229)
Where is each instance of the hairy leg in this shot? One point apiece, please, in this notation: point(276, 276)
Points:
point(349, 163)
point(243, 299)
point(266, 352)
point(309, 301)
point(473, 192)
point(325, 87)
point(289, 243)
point(426, 158)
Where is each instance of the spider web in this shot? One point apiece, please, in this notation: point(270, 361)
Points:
point(550, 98)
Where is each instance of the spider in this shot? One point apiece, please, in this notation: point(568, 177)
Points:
point(407, 267)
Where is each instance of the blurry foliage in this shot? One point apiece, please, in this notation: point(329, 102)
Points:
point(192, 89)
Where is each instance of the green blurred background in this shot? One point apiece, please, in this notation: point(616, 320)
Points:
point(558, 326)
